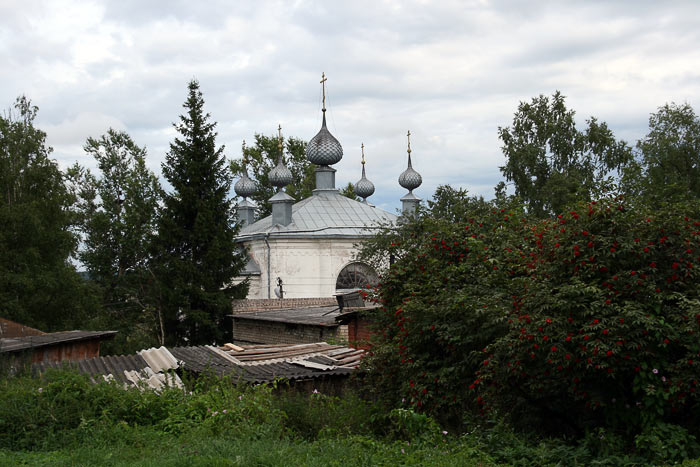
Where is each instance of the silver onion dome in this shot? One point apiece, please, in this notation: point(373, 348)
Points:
point(410, 179)
point(280, 176)
point(324, 149)
point(245, 187)
point(364, 188)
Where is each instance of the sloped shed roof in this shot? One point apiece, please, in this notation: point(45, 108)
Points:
point(325, 214)
point(251, 363)
point(311, 316)
point(15, 344)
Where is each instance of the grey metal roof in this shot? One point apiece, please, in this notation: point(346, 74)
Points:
point(325, 214)
point(111, 365)
point(15, 344)
point(249, 363)
point(129, 370)
point(315, 316)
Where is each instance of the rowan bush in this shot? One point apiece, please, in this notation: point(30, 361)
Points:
point(604, 321)
point(442, 301)
point(587, 320)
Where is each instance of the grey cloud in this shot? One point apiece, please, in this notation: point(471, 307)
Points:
point(452, 72)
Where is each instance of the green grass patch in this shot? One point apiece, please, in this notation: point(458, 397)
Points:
point(63, 418)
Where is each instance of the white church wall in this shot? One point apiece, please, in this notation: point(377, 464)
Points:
point(308, 267)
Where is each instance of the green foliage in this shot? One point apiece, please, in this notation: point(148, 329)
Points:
point(39, 286)
point(64, 418)
point(349, 192)
point(561, 325)
point(665, 442)
point(551, 162)
point(118, 222)
point(319, 415)
point(44, 413)
point(670, 156)
point(443, 300)
point(603, 325)
point(196, 256)
point(262, 157)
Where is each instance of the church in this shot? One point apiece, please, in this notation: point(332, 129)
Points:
point(306, 248)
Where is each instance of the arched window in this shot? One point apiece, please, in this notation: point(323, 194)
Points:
point(356, 276)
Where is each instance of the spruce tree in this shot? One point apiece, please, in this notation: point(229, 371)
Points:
point(197, 258)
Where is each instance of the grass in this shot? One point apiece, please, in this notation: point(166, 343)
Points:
point(149, 447)
point(64, 419)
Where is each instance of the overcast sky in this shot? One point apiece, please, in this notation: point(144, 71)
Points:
point(452, 72)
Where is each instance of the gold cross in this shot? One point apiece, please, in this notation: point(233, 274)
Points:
point(409, 141)
point(363, 153)
point(323, 84)
point(279, 139)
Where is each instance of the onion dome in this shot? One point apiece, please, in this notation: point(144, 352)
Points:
point(364, 188)
point(245, 187)
point(280, 176)
point(324, 149)
point(410, 179)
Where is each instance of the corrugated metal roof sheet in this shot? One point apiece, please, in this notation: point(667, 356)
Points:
point(253, 363)
point(159, 359)
point(325, 214)
point(14, 344)
point(130, 370)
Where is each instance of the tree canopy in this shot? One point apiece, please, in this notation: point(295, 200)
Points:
point(552, 163)
point(262, 157)
point(119, 219)
point(39, 285)
point(670, 155)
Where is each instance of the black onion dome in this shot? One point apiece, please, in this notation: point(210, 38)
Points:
point(280, 175)
point(410, 179)
point(324, 149)
point(245, 187)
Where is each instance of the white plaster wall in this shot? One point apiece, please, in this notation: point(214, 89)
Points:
point(308, 267)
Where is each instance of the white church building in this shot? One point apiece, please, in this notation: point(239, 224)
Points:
point(307, 248)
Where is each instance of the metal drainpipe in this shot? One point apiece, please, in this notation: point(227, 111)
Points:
point(269, 272)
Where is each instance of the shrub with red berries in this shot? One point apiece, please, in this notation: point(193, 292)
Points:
point(605, 325)
point(589, 319)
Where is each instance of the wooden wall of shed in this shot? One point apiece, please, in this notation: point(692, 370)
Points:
point(359, 333)
point(12, 329)
point(67, 351)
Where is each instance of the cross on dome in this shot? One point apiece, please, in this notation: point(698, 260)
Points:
point(324, 149)
point(323, 86)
